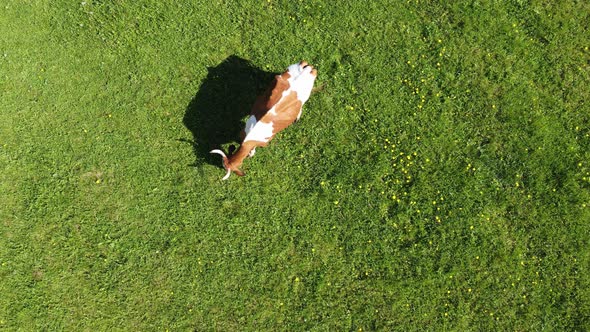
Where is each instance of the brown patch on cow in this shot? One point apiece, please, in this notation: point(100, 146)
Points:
point(271, 96)
point(286, 110)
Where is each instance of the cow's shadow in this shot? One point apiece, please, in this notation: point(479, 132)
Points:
point(215, 116)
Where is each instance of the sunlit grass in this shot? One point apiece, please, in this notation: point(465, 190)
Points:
point(437, 180)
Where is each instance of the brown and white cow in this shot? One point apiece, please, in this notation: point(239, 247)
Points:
point(272, 112)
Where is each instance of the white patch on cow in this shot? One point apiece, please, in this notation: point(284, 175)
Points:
point(294, 71)
point(250, 124)
point(303, 84)
point(260, 132)
point(273, 110)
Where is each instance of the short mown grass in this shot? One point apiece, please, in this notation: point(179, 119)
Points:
point(439, 178)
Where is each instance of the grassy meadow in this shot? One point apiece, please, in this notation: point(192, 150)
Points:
point(438, 180)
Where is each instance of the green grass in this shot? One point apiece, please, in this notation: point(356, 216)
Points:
point(439, 178)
